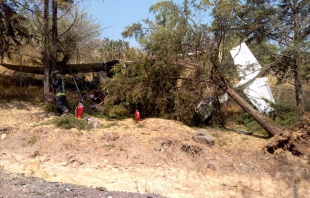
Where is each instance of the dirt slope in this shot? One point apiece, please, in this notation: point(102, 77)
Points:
point(153, 156)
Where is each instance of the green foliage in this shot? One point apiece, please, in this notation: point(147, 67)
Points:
point(113, 50)
point(49, 107)
point(13, 28)
point(119, 111)
point(218, 119)
point(165, 81)
point(70, 121)
point(100, 188)
point(152, 87)
point(250, 124)
point(32, 140)
point(285, 113)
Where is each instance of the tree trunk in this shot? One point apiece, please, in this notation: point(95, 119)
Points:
point(54, 41)
point(102, 75)
point(271, 130)
point(46, 55)
point(298, 84)
point(297, 66)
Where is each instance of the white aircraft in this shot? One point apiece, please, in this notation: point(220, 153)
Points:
point(256, 89)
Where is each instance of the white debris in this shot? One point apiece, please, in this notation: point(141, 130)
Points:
point(259, 93)
point(247, 65)
point(256, 89)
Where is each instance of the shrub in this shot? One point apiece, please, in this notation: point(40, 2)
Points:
point(32, 140)
point(118, 111)
point(69, 121)
point(285, 113)
point(250, 124)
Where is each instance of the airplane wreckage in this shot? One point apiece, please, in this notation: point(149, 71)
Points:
point(256, 89)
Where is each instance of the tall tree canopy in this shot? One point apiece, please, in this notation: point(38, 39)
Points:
point(59, 28)
point(284, 24)
point(172, 40)
point(13, 28)
point(169, 79)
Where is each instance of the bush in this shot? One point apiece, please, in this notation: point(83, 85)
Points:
point(118, 111)
point(250, 124)
point(49, 107)
point(70, 121)
point(218, 120)
point(285, 114)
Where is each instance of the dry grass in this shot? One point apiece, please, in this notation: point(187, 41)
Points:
point(10, 87)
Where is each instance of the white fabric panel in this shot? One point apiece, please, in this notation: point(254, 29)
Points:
point(247, 65)
point(258, 90)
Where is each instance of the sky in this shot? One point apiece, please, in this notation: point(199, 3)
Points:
point(115, 15)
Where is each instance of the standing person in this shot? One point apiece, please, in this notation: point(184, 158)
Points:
point(59, 87)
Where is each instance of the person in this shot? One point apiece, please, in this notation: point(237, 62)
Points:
point(59, 87)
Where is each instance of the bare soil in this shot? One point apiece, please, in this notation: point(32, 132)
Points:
point(152, 158)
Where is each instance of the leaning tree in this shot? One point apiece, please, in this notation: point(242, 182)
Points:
point(192, 54)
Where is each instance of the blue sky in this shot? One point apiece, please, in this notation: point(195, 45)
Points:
point(115, 15)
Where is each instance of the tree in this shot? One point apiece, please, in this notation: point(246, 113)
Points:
point(51, 42)
point(58, 27)
point(296, 30)
point(226, 26)
point(45, 33)
point(81, 41)
point(46, 53)
point(166, 79)
point(176, 32)
point(110, 50)
point(13, 29)
point(285, 24)
point(279, 22)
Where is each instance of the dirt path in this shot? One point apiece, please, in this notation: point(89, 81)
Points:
point(153, 156)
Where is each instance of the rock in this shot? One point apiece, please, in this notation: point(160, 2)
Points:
point(211, 166)
point(18, 158)
point(94, 121)
point(44, 158)
point(3, 136)
point(34, 153)
point(202, 136)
